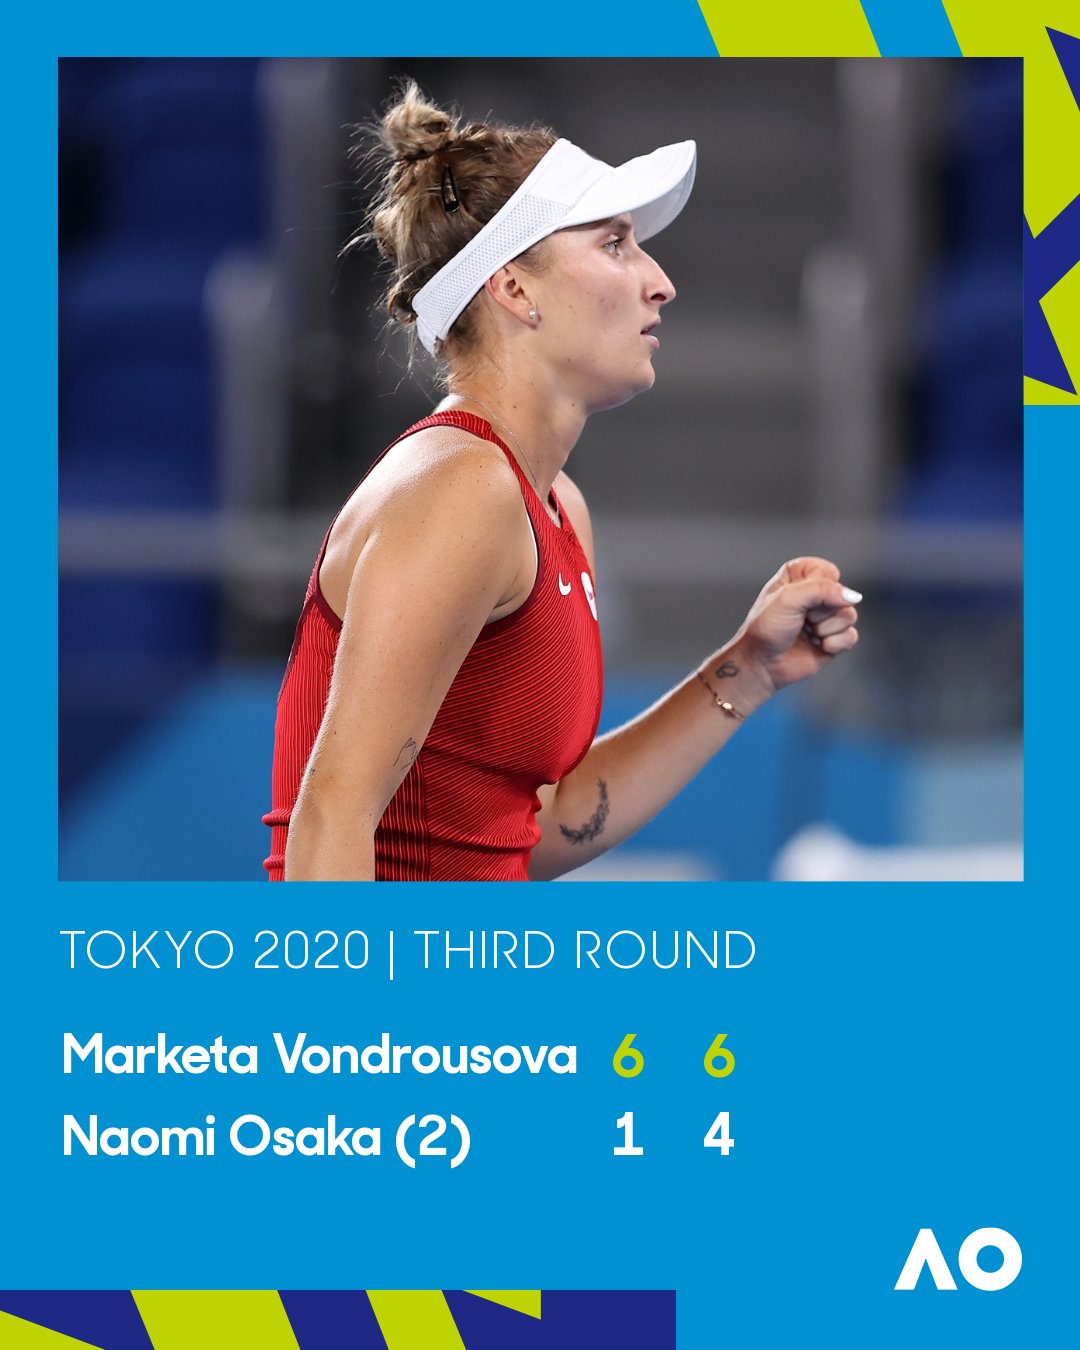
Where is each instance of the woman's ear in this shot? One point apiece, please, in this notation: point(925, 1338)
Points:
point(508, 292)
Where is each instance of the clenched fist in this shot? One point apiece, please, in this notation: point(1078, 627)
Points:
point(803, 617)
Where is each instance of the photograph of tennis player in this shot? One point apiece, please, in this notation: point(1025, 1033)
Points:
point(411, 311)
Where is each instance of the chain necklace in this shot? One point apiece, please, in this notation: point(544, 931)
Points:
point(520, 448)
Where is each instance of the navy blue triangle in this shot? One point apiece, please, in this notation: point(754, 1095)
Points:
point(1067, 51)
point(107, 1318)
point(1045, 262)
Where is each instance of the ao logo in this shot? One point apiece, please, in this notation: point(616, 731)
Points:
point(926, 1252)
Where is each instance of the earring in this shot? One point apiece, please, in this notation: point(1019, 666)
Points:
point(533, 314)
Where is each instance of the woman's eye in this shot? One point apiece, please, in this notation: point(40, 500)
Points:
point(613, 245)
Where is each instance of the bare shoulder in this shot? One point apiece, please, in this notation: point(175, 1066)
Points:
point(436, 478)
point(443, 461)
point(434, 487)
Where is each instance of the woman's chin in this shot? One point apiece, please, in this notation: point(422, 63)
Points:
point(615, 398)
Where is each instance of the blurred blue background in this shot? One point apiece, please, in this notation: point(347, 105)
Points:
point(841, 375)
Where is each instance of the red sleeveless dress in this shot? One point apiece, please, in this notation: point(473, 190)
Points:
point(522, 711)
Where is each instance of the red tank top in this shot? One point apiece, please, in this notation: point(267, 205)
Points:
point(522, 711)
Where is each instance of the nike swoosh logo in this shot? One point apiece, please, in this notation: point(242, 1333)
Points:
point(565, 587)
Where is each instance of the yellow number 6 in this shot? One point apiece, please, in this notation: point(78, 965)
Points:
point(626, 1052)
point(715, 1052)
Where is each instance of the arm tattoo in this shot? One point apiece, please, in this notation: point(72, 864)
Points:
point(594, 826)
point(406, 756)
point(727, 670)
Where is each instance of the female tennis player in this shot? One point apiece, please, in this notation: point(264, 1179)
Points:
point(438, 716)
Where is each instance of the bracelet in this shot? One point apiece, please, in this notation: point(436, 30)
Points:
point(721, 703)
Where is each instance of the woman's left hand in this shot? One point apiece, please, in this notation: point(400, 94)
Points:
point(803, 617)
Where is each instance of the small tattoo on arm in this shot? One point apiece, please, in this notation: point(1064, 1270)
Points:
point(594, 826)
point(727, 670)
point(406, 756)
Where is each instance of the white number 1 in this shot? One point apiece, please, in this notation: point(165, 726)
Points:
point(627, 1149)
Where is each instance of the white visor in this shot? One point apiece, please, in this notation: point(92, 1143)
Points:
point(567, 187)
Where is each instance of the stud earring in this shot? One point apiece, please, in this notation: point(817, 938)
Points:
point(533, 314)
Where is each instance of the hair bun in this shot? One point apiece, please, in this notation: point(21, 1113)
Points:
point(414, 128)
point(420, 214)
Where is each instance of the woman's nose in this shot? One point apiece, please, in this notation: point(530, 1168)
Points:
point(660, 288)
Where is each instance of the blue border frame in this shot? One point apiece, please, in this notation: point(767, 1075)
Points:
point(903, 1045)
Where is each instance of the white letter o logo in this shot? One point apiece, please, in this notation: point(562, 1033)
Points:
point(1006, 1244)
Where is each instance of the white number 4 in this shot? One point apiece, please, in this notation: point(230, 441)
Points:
point(718, 1136)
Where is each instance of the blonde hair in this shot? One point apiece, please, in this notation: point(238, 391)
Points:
point(439, 184)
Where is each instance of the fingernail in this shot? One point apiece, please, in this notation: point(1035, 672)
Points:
point(852, 597)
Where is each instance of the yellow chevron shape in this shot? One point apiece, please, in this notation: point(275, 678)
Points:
point(789, 28)
point(525, 1301)
point(414, 1319)
point(17, 1334)
point(215, 1319)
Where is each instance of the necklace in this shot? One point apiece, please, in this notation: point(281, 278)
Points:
point(520, 448)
